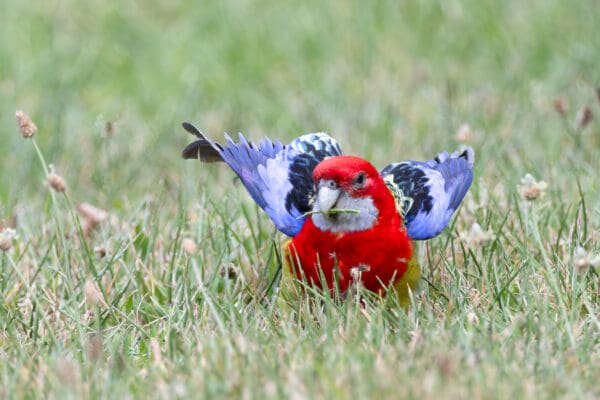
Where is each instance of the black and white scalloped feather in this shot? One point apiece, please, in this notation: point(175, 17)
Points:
point(430, 191)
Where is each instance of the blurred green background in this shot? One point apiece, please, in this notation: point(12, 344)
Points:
point(108, 82)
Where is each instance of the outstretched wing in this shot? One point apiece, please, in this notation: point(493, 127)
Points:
point(429, 192)
point(278, 177)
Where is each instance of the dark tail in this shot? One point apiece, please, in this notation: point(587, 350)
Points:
point(202, 149)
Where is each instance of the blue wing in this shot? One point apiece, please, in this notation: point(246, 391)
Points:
point(429, 192)
point(278, 177)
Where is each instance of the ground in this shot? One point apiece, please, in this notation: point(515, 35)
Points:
point(172, 293)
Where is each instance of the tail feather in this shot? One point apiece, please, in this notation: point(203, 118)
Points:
point(203, 149)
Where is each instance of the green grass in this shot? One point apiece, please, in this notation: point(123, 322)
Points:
point(108, 84)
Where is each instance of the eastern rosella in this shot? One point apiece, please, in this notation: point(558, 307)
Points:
point(347, 220)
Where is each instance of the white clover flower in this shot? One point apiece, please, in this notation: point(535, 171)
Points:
point(7, 236)
point(582, 260)
point(476, 235)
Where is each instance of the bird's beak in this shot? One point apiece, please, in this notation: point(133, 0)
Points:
point(327, 197)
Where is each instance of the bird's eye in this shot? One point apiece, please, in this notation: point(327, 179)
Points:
point(360, 179)
point(332, 184)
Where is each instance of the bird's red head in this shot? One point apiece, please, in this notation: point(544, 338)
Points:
point(354, 175)
point(351, 183)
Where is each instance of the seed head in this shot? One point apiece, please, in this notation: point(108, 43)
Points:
point(530, 189)
point(584, 117)
point(92, 294)
point(561, 106)
point(229, 271)
point(100, 251)
point(464, 133)
point(92, 216)
point(95, 347)
point(109, 128)
point(189, 246)
point(57, 182)
point(25, 124)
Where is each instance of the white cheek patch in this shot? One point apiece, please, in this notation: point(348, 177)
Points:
point(348, 222)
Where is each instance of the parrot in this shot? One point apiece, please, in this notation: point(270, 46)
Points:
point(349, 223)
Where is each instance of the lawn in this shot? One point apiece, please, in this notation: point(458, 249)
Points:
point(169, 289)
